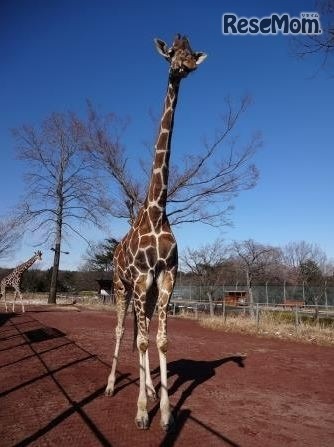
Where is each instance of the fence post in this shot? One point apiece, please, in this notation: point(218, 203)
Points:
point(326, 298)
point(257, 316)
point(224, 310)
point(196, 311)
point(296, 318)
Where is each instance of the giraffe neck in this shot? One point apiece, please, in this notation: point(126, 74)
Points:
point(157, 191)
point(23, 267)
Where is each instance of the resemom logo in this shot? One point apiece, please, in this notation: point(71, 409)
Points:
point(306, 23)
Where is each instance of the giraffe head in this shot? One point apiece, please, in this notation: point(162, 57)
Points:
point(181, 57)
point(38, 255)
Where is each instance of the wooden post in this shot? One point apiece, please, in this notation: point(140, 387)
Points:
point(257, 316)
point(296, 318)
point(326, 298)
point(304, 291)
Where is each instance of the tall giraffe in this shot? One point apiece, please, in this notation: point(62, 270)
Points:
point(145, 261)
point(14, 279)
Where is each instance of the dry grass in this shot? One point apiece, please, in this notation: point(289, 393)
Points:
point(271, 325)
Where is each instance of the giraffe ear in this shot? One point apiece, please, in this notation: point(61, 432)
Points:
point(162, 48)
point(200, 57)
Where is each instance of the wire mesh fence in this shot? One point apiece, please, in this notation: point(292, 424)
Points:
point(269, 294)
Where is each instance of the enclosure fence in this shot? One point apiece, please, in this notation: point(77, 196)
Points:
point(266, 294)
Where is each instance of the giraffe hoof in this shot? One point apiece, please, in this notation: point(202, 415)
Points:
point(109, 392)
point(142, 423)
point(169, 426)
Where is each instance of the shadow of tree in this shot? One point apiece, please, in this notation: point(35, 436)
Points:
point(4, 317)
point(33, 337)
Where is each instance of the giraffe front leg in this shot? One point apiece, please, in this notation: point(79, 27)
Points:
point(150, 390)
point(141, 420)
point(165, 289)
point(167, 420)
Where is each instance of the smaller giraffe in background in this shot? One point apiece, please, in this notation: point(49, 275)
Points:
point(14, 279)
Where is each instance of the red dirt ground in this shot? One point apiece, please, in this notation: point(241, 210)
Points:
point(54, 366)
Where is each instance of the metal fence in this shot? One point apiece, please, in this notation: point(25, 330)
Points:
point(262, 294)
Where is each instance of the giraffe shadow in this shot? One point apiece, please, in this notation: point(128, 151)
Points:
point(193, 373)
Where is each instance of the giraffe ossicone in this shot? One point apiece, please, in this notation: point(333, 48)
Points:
point(14, 279)
point(146, 260)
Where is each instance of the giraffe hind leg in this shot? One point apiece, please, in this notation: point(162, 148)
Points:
point(3, 293)
point(18, 292)
point(122, 303)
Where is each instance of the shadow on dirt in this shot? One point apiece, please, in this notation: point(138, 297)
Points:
point(4, 317)
point(33, 338)
point(43, 334)
point(196, 372)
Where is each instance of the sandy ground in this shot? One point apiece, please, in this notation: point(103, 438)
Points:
point(54, 365)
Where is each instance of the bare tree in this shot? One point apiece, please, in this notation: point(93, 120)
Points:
point(255, 259)
point(200, 190)
point(307, 263)
point(206, 264)
point(297, 253)
point(10, 235)
point(62, 191)
point(320, 46)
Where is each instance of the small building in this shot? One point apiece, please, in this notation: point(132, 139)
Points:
point(236, 298)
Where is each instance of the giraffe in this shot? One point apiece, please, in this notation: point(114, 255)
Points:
point(146, 259)
point(14, 279)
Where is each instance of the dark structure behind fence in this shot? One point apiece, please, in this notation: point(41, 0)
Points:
point(276, 294)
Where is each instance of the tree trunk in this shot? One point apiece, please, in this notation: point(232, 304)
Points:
point(59, 224)
point(53, 287)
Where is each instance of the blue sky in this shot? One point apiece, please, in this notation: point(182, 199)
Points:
point(57, 53)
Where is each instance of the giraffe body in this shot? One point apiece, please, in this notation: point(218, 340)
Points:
point(14, 279)
point(146, 260)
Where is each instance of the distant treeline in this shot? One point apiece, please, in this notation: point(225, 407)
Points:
point(77, 281)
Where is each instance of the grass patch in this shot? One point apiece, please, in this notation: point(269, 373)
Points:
point(276, 324)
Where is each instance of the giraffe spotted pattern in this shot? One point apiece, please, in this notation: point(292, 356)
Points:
point(146, 260)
